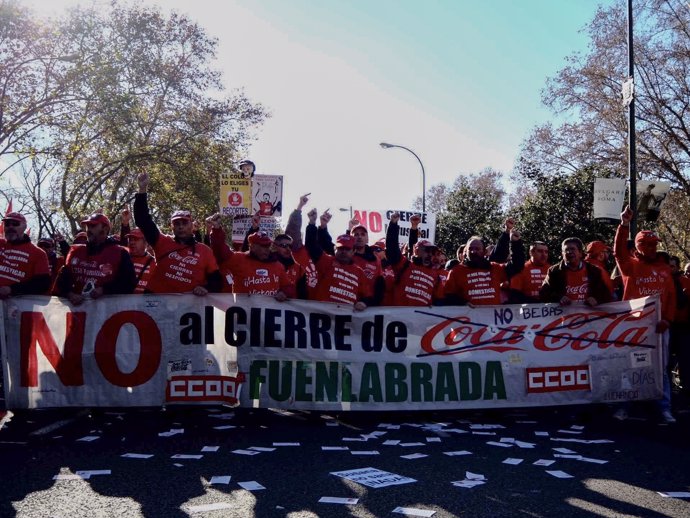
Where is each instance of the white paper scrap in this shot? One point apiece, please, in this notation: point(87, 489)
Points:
point(486, 426)
point(332, 423)
point(483, 433)
point(338, 500)
point(468, 483)
point(568, 456)
point(563, 450)
point(410, 444)
point(246, 452)
point(575, 432)
point(93, 472)
point(220, 479)
point(433, 439)
point(261, 448)
point(88, 438)
point(209, 507)
point(391, 442)
point(414, 456)
point(474, 476)
point(543, 462)
point(225, 427)
point(185, 456)
point(334, 448)
point(512, 461)
point(364, 452)
point(593, 461)
point(674, 494)
point(252, 485)
point(506, 439)
point(456, 453)
point(171, 432)
point(210, 448)
point(521, 444)
point(413, 511)
point(286, 444)
point(373, 477)
point(501, 444)
point(558, 473)
point(354, 439)
point(541, 434)
point(137, 455)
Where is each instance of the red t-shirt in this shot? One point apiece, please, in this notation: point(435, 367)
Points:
point(417, 286)
point(340, 282)
point(20, 262)
point(95, 270)
point(481, 287)
point(178, 268)
point(530, 279)
point(144, 265)
point(576, 284)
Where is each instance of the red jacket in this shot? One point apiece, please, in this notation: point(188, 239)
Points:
point(642, 278)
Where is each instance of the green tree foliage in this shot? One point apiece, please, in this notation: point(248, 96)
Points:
point(142, 95)
point(473, 205)
point(559, 206)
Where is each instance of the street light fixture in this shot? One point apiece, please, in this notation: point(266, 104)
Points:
point(341, 209)
point(385, 145)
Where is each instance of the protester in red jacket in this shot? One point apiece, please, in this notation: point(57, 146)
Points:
point(182, 264)
point(526, 284)
point(416, 280)
point(478, 281)
point(339, 279)
point(100, 267)
point(645, 274)
point(24, 268)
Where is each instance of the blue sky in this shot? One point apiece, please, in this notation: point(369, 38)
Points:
point(457, 81)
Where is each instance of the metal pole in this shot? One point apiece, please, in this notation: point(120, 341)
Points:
point(386, 146)
point(632, 166)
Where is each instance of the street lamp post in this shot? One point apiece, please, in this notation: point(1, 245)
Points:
point(385, 145)
point(341, 209)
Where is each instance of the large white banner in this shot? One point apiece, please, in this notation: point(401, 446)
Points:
point(376, 223)
point(609, 198)
point(143, 350)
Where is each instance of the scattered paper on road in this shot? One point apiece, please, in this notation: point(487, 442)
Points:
point(334, 448)
point(456, 453)
point(674, 494)
point(364, 452)
point(210, 448)
point(245, 452)
point(373, 477)
point(137, 455)
point(414, 456)
point(261, 448)
point(185, 456)
point(543, 462)
point(220, 479)
point(171, 432)
point(251, 485)
point(88, 438)
point(559, 474)
point(92, 472)
point(391, 442)
point(208, 507)
point(286, 444)
point(338, 500)
point(413, 511)
point(512, 461)
point(501, 444)
point(224, 427)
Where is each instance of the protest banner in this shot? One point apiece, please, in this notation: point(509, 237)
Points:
point(650, 199)
point(235, 194)
point(144, 350)
point(609, 199)
point(376, 223)
point(267, 197)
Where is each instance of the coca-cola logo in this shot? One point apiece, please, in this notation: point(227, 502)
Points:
point(575, 331)
point(577, 290)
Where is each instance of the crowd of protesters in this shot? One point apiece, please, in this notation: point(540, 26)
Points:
point(309, 264)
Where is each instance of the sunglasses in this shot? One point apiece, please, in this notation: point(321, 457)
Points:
point(11, 223)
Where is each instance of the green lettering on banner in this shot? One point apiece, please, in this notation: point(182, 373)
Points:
point(348, 396)
point(470, 375)
point(421, 375)
point(275, 391)
point(493, 383)
point(302, 381)
point(445, 382)
point(396, 386)
point(326, 381)
point(256, 378)
point(370, 384)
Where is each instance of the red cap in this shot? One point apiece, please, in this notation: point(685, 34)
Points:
point(260, 238)
point(345, 240)
point(15, 216)
point(96, 218)
point(359, 227)
point(596, 247)
point(381, 243)
point(181, 214)
point(424, 243)
point(646, 236)
point(80, 238)
point(136, 234)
